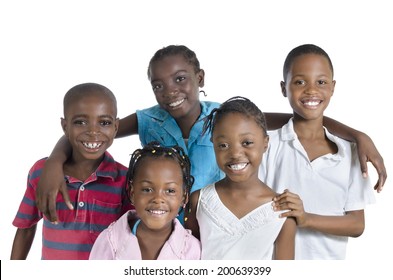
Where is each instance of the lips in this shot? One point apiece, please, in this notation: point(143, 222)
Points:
point(311, 103)
point(157, 212)
point(238, 166)
point(176, 103)
point(92, 145)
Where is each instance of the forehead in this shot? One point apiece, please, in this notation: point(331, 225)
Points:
point(236, 123)
point(170, 64)
point(310, 62)
point(158, 170)
point(90, 102)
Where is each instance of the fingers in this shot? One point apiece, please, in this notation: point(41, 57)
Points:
point(382, 174)
point(63, 190)
point(51, 213)
point(363, 166)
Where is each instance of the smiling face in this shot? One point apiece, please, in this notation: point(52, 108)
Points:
point(176, 86)
point(309, 86)
point(239, 143)
point(157, 192)
point(90, 124)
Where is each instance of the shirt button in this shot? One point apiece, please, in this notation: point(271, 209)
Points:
point(81, 204)
point(82, 188)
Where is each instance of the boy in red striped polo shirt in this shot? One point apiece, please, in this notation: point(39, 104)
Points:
point(95, 181)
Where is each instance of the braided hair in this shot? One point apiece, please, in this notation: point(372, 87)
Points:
point(235, 104)
point(172, 50)
point(155, 150)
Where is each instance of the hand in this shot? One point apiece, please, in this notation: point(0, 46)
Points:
point(48, 189)
point(293, 203)
point(369, 153)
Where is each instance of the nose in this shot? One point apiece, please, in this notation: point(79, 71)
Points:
point(235, 151)
point(158, 197)
point(311, 88)
point(171, 89)
point(93, 128)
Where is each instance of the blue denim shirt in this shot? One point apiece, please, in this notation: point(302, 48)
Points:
point(156, 124)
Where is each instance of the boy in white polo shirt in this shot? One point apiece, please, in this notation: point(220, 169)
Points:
point(317, 173)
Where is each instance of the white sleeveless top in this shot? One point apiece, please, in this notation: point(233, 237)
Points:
point(224, 236)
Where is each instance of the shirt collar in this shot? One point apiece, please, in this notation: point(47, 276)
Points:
point(288, 134)
point(107, 168)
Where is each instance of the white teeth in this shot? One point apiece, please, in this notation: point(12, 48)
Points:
point(157, 212)
point(92, 145)
point(311, 103)
point(177, 103)
point(238, 166)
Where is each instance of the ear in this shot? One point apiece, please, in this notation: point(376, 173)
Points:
point(283, 90)
point(116, 126)
point(266, 145)
point(131, 192)
point(333, 86)
point(201, 78)
point(63, 124)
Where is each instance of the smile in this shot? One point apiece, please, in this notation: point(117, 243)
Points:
point(92, 145)
point(176, 103)
point(238, 166)
point(157, 212)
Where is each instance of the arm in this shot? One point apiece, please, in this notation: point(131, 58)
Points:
point(366, 148)
point(52, 178)
point(276, 120)
point(22, 242)
point(351, 224)
point(191, 221)
point(52, 181)
point(128, 126)
point(284, 247)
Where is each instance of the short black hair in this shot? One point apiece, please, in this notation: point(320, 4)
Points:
point(302, 50)
point(81, 90)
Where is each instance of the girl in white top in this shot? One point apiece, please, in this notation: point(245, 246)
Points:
point(234, 218)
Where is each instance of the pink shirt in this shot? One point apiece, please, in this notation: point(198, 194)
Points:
point(118, 243)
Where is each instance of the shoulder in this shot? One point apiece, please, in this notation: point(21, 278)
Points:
point(155, 111)
point(192, 246)
point(208, 106)
point(38, 166)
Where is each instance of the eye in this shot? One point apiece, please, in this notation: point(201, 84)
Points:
point(300, 82)
point(156, 87)
point(147, 190)
point(80, 122)
point(322, 82)
point(180, 78)
point(222, 145)
point(248, 143)
point(106, 123)
point(171, 191)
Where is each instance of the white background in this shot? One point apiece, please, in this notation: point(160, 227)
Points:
point(46, 47)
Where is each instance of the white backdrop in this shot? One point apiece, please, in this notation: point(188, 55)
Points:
point(47, 47)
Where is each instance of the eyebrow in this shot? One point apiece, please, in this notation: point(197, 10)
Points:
point(87, 116)
point(174, 74)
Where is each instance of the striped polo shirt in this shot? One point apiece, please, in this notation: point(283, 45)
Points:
point(98, 201)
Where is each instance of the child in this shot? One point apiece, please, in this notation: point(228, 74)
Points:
point(234, 217)
point(159, 183)
point(327, 193)
point(94, 180)
point(176, 78)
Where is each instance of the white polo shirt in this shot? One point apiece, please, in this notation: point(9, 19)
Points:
point(329, 185)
